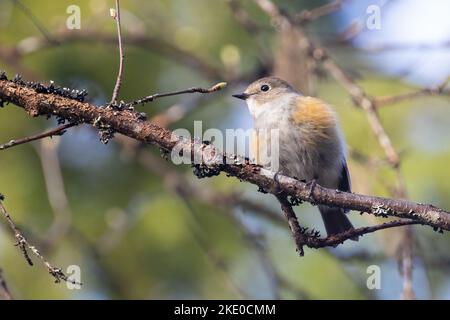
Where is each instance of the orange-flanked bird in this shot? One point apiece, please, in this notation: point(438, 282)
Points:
point(310, 144)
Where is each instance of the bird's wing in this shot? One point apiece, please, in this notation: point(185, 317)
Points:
point(344, 179)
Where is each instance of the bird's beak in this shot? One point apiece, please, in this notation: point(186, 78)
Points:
point(242, 96)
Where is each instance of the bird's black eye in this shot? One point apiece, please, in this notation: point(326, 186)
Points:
point(265, 87)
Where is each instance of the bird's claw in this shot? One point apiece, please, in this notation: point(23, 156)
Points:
point(278, 189)
point(311, 185)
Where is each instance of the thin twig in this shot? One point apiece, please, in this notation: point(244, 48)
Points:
point(116, 16)
point(310, 238)
point(24, 246)
point(216, 87)
point(58, 131)
point(339, 238)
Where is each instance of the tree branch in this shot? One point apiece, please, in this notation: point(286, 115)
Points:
point(58, 131)
point(116, 15)
point(216, 87)
point(129, 123)
point(396, 98)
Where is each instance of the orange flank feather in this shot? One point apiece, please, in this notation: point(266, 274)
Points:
point(314, 111)
point(315, 118)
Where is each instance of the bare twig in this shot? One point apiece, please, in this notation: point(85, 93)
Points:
point(24, 246)
point(216, 87)
point(303, 237)
point(334, 240)
point(116, 15)
point(58, 131)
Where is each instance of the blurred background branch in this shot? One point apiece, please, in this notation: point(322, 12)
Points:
point(23, 244)
point(4, 290)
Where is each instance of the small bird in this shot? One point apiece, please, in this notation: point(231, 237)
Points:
point(311, 147)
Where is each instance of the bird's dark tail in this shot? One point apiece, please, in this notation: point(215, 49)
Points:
point(335, 220)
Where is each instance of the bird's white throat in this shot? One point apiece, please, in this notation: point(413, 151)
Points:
point(277, 104)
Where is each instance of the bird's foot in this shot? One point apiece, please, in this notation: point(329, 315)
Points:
point(278, 189)
point(311, 185)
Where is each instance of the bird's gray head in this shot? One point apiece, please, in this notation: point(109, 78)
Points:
point(268, 92)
